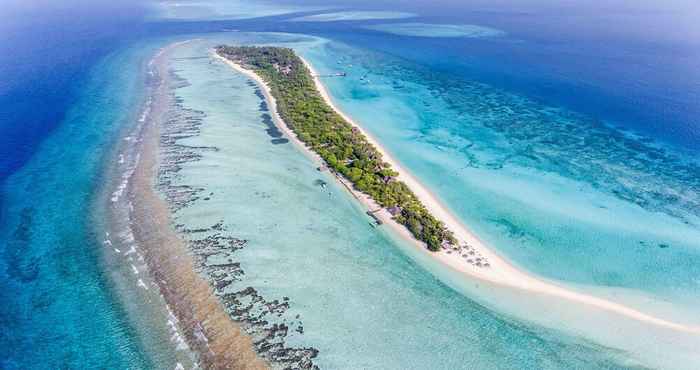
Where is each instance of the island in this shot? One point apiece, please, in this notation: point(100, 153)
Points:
point(309, 116)
point(343, 147)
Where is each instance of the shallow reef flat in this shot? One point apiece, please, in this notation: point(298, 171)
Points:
point(223, 10)
point(436, 30)
point(352, 16)
point(560, 194)
point(299, 264)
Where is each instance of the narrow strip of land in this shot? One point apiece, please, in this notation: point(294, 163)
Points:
point(455, 252)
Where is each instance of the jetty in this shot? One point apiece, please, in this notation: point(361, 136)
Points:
point(337, 74)
point(372, 214)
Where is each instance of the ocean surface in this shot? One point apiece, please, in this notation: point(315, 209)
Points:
point(58, 308)
point(558, 192)
point(565, 137)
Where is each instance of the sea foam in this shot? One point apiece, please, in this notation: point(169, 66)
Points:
point(437, 30)
point(353, 16)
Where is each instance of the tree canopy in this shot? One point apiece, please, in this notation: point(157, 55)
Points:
point(344, 148)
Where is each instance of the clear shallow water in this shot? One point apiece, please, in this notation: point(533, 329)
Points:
point(561, 194)
point(353, 16)
point(360, 300)
point(436, 30)
point(538, 201)
point(577, 162)
point(223, 9)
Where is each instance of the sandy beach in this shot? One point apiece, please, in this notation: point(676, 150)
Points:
point(499, 271)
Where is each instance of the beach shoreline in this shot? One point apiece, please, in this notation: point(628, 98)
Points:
point(499, 272)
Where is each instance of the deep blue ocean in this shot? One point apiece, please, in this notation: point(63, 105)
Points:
point(71, 73)
point(57, 310)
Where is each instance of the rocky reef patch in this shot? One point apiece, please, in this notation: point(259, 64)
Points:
point(214, 248)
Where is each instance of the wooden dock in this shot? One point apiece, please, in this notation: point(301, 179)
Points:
point(372, 214)
point(338, 74)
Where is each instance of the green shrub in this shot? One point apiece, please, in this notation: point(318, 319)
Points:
point(344, 149)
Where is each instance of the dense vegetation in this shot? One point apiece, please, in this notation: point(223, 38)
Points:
point(344, 148)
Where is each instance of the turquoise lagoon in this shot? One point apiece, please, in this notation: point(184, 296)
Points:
point(436, 30)
point(364, 298)
point(577, 201)
point(564, 196)
point(222, 10)
point(353, 16)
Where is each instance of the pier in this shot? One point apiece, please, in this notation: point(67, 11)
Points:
point(371, 213)
point(337, 74)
